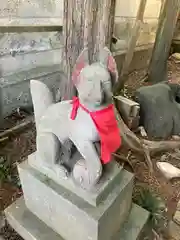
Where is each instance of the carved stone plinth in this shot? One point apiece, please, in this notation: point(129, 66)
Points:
point(68, 214)
point(50, 210)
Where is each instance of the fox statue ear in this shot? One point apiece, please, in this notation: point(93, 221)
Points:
point(82, 61)
point(107, 59)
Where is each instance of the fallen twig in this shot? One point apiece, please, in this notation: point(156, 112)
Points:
point(124, 159)
point(3, 139)
point(156, 235)
point(18, 128)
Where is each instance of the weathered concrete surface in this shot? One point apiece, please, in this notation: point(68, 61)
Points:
point(24, 56)
point(28, 225)
point(111, 177)
point(28, 13)
point(26, 42)
point(61, 210)
point(134, 225)
point(14, 89)
point(23, 62)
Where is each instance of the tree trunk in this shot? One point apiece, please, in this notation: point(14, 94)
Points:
point(131, 46)
point(167, 23)
point(87, 23)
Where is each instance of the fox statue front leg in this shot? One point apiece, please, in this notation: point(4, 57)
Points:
point(49, 151)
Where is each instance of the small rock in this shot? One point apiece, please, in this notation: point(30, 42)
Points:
point(176, 57)
point(168, 170)
point(176, 137)
point(143, 131)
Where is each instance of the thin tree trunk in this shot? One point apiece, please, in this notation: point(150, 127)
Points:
point(87, 23)
point(131, 46)
point(166, 27)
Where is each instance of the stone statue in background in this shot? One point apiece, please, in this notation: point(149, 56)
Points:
point(80, 123)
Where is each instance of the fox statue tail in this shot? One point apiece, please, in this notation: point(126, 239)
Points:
point(42, 98)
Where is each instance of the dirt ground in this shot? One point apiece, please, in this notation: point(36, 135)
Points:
point(20, 146)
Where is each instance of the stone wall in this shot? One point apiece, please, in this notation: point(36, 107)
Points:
point(26, 56)
point(25, 53)
point(34, 12)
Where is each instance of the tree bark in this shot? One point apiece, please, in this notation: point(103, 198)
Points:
point(166, 27)
point(87, 23)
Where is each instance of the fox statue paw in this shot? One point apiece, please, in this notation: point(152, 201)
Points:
point(82, 176)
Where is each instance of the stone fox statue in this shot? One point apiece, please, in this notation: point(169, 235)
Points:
point(57, 123)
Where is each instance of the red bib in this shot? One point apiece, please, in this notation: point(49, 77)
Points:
point(107, 127)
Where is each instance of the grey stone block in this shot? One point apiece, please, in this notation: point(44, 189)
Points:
point(15, 91)
point(129, 111)
point(134, 225)
point(111, 177)
point(71, 216)
point(27, 225)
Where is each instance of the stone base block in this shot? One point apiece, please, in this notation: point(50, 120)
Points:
point(15, 90)
point(69, 215)
point(111, 177)
point(28, 226)
point(134, 225)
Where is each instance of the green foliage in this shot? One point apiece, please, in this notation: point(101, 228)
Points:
point(155, 205)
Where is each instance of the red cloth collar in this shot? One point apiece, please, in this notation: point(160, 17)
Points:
point(107, 127)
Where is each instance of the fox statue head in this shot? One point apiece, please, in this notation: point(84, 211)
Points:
point(94, 82)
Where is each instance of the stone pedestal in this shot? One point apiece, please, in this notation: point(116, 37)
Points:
point(59, 210)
